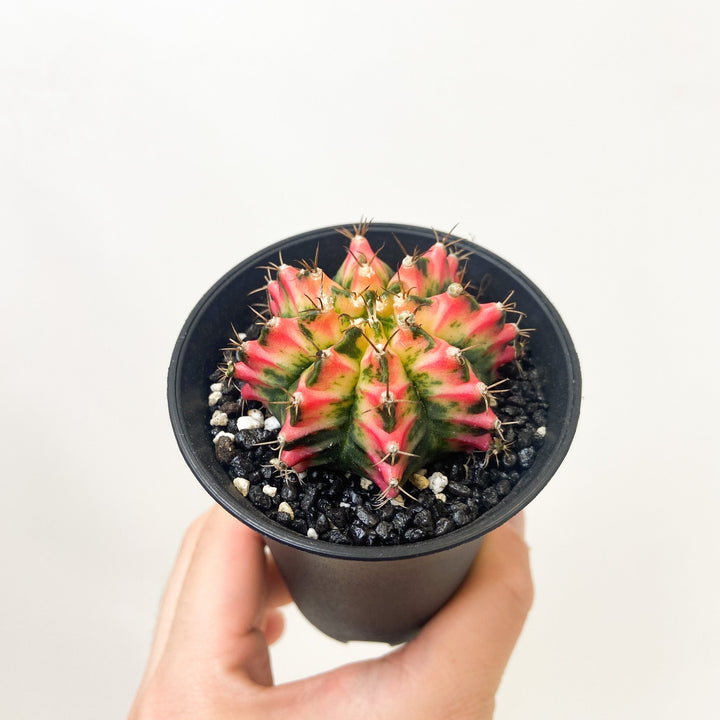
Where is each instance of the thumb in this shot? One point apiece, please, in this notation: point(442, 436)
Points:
point(469, 642)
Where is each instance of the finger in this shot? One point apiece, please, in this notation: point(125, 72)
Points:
point(222, 601)
point(274, 626)
point(472, 637)
point(172, 591)
point(277, 591)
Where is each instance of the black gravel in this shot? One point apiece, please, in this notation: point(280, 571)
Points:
point(333, 503)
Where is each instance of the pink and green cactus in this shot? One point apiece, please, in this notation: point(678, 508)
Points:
point(377, 372)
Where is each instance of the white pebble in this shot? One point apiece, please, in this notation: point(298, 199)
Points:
point(257, 415)
point(301, 475)
point(541, 431)
point(219, 419)
point(216, 387)
point(272, 424)
point(312, 533)
point(442, 497)
point(438, 481)
point(214, 398)
point(366, 483)
point(284, 507)
point(222, 434)
point(248, 423)
point(398, 501)
point(270, 490)
point(243, 485)
point(344, 504)
point(241, 336)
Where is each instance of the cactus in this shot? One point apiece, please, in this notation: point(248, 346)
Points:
point(374, 371)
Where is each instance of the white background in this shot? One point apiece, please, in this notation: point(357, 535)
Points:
point(147, 147)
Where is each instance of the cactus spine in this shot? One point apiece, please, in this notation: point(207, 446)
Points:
point(375, 371)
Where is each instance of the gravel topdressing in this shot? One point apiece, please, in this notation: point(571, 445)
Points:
point(335, 506)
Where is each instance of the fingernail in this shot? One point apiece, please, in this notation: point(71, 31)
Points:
point(517, 523)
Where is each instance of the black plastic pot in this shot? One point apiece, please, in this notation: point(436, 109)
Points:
point(367, 593)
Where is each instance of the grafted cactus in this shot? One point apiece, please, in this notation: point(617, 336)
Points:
point(377, 372)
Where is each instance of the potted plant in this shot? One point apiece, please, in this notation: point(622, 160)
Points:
point(365, 372)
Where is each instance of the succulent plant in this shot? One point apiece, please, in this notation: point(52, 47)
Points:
point(375, 371)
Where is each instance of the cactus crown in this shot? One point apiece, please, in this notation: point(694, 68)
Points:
point(375, 371)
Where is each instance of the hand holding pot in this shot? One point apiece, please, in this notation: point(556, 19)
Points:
point(210, 656)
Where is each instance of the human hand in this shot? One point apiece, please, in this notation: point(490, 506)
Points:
point(210, 656)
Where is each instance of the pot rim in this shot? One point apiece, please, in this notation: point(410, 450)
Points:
point(488, 521)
